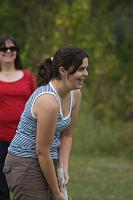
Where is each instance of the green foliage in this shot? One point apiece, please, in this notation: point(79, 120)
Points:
point(102, 137)
point(99, 128)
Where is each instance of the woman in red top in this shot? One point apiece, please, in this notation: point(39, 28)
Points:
point(16, 85)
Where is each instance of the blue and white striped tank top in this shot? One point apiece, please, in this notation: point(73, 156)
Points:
point(24, 142)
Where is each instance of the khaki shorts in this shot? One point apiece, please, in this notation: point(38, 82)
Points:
point(25, 179)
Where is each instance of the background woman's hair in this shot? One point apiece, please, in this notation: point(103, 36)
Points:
point(69, 57)
point(3, 39)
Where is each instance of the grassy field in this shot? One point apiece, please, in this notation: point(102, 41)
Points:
point(100, 178)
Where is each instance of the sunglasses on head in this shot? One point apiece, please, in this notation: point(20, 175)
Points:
point(5, 49)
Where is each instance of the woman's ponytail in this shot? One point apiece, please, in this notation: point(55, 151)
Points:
point(44, 73)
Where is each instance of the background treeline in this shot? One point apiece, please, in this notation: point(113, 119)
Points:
point(105, 30)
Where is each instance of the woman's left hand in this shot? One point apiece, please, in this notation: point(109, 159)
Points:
point(66, 176)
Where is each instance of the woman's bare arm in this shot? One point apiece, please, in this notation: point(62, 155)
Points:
point(66, 139)
point(46, 110)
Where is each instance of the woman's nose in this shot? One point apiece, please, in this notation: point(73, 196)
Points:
point(85, 73)
point(8, 50)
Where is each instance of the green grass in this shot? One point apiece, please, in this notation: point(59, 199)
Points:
point(100, 178)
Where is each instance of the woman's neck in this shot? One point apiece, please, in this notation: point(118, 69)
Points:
point(60, 88)
point(7, 68)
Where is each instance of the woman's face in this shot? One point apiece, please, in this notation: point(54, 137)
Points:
point(76, 80)
point(8, 52)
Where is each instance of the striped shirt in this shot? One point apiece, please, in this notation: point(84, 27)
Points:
point(24, 142)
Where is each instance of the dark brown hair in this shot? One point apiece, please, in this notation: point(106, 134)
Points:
point(69, 57)
point(3, 39)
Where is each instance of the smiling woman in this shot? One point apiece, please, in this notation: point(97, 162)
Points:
point(38, 149)
point(10, 63)
point(16, 85)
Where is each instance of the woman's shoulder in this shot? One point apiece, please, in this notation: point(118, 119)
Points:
point(27, 72)
point(76, 97)
point(44, 94)
point(45, 89)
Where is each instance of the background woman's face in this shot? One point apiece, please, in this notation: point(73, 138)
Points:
point(8, 56)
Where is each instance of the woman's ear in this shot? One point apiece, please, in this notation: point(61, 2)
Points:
point(62, 71)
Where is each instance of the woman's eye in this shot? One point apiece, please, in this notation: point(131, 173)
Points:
point(81, 69)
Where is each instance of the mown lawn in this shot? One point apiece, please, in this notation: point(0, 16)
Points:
point(100, 178)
